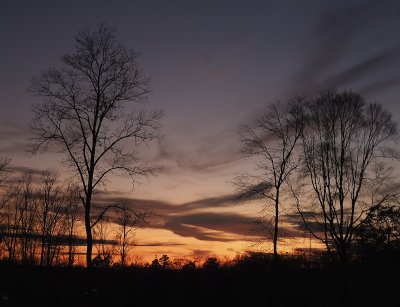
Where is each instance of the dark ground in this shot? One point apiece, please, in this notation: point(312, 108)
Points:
point(286, 284)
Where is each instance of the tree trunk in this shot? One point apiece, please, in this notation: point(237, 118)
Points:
point(89, 244)
point(343, 254)
point(88, 225)
point(276, 224)
point(70, 251)
point(89, 238)
point(42, 250)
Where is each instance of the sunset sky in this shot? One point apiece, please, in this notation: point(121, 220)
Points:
point(214, 65)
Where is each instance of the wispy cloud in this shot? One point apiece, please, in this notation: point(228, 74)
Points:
point(346, 35)
point(13, 138)
point(198, 219)
point(211, 202)
point(203, 154)
point(162, 207)
point(184, 219)
point(208, 226)
point(360, 70)
point(158, 244)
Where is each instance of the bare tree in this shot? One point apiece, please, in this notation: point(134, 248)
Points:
point(36, 219)
point(104, 244)
point(26, 223)
point(71, 219)
point(50, 212)
point(272, 140)
point(4, 194)
point(10, 225)
point(86, 114)
point(342, 139)
point(129, 219)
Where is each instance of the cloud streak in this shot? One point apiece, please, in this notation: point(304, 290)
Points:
point(208, 226)
point(203, 154)
point(197, 219)
point(339, 38)
point(185, 220)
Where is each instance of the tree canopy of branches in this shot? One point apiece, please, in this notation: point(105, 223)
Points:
point(87, 113)
point(3, 168)
point(272, 140)
point(342, 138)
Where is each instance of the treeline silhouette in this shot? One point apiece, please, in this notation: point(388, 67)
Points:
point(248, 280)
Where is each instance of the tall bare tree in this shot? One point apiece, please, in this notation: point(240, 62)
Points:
point(342, 139)
point(272, 140)
point(88, 114)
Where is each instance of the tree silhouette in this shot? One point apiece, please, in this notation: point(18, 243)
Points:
point(164, 261)
point(105, 246)
point(5, 194)
point(342, 138)
point(10, 222)
point(87, 114)
point(34, 219)
point(155, 264)
point(71, 219)
point(50, 213)
point(25, 203)
point(272, 140)
point(380, 229)
point(211, 263)
point(128, 220)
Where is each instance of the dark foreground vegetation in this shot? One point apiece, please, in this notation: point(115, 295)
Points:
point(248, 281)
